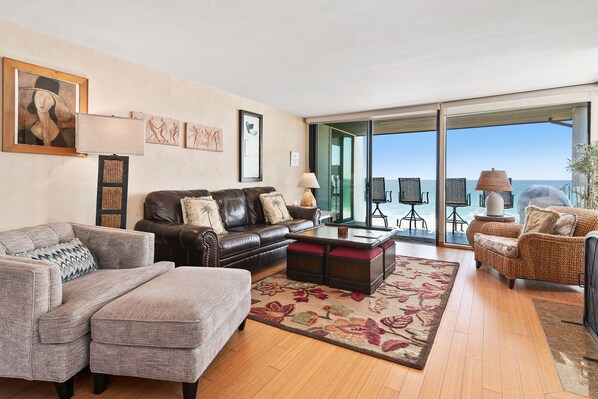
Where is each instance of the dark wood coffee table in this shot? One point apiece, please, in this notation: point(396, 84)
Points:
point(349, 278)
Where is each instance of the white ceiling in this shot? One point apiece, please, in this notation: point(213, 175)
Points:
point(318, 57)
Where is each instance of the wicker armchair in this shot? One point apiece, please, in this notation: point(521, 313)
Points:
point(544, 257)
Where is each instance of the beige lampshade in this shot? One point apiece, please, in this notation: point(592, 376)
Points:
point(308, 180)
point(493, 180)
point(100, 134)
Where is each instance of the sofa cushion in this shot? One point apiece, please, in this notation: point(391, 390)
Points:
point(297, 224)
point(233, 207)
point(179, 309)
point(204, 212)
point(165, 205)
point(268, 234)
point(82, 297)
point(255, 212)
point(73, 258)
point(505, 246)
point(237, 242)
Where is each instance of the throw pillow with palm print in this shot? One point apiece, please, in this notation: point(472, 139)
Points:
point(203, 212)
point(275, 207)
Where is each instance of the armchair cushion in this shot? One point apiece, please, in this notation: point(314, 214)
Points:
point(505, 246)
point(565, 225)
point(84, 296)
point(538, 220)
point(73, 258)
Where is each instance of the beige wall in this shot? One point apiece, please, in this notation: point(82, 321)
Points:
point(44, 188)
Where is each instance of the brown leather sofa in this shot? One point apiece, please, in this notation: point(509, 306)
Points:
point(249, 244)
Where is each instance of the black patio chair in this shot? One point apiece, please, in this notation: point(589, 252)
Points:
point(410, 194)
point(507, 196)
point(380, 196)
point(457, 197)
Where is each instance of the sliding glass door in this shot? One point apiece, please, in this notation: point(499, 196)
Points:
point(341, 168)
point(404, 152)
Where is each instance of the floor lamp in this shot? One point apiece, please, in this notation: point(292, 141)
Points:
point(99, 134)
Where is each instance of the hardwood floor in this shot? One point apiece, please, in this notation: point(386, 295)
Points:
point(489, 345)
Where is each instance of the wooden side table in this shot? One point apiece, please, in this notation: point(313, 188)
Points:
point(475, 226)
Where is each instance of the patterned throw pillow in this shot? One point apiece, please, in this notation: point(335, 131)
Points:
point(565, 225)
point(184, 209)
point(203, 212)
point(538, 220)
point(73, 258)
point(275, 207)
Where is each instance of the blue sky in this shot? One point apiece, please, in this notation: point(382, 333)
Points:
point(536, 151)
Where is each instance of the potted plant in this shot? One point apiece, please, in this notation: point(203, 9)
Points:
point(585, 164)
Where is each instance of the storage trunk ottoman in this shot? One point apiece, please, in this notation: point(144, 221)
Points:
point(390, 257)
point(305, 262)
point(170, 328)
point(353, 269)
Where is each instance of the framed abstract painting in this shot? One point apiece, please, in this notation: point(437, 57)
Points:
point(39, 108)
point(250, 146)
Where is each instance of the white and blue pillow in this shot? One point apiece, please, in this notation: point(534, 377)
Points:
point(73, 258)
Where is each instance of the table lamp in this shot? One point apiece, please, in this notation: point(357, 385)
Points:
point(308, 181)
point(99, 134)
point(494, 181)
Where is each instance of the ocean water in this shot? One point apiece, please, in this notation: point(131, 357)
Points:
point(394, 210)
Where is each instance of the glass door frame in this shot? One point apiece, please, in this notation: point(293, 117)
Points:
point(312, 163)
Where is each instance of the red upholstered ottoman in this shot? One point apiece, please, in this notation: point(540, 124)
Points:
point(305, 262)
point(390, 257)
point(359, 270)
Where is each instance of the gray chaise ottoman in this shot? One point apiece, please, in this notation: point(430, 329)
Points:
point(170, 328)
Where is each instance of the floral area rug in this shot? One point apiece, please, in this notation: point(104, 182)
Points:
point(397, 323)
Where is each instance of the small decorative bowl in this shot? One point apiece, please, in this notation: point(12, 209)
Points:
point(343, 231)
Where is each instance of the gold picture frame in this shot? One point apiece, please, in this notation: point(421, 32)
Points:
point(39, 107)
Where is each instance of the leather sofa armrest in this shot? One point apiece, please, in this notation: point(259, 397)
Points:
point(184, 236)
point(300, 212)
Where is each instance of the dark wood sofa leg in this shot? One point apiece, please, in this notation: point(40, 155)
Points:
point(511, 283)
point(190, 389)
point(478, 264)
point(242, 325)
point(100, 383)
point(65, 389)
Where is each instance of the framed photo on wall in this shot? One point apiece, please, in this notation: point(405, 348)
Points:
point(39, 107)
point(250, 146)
